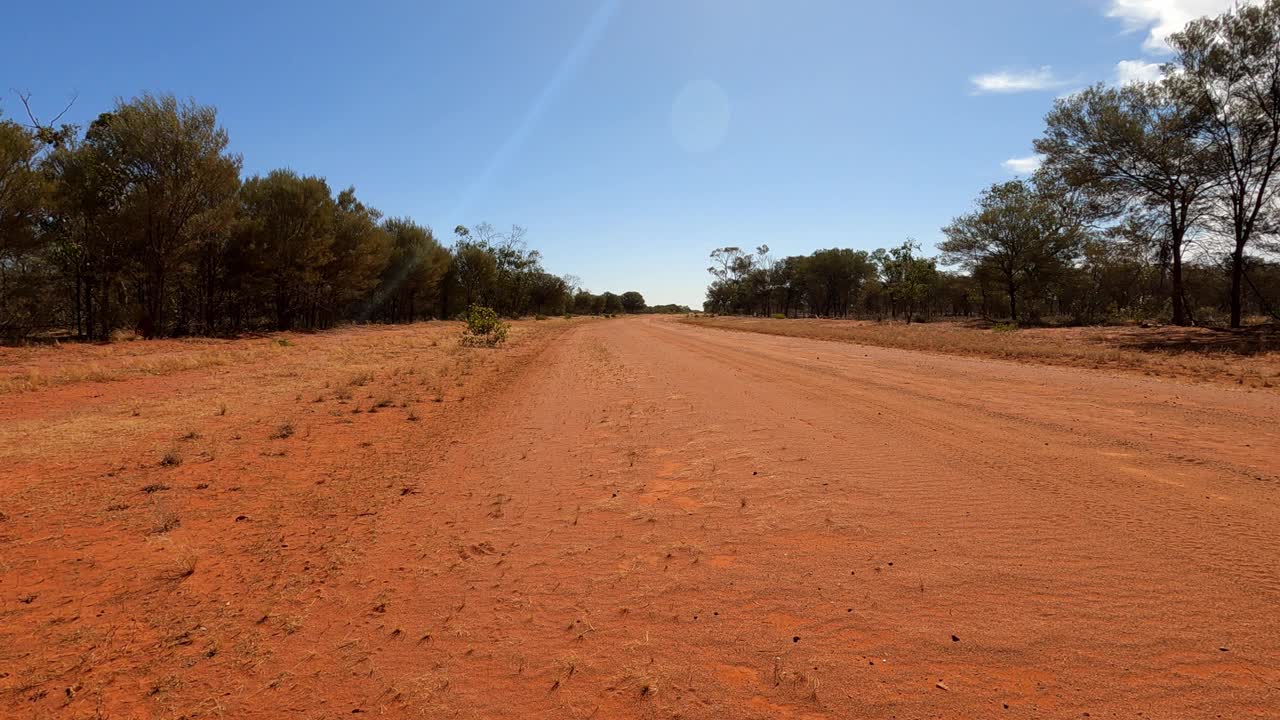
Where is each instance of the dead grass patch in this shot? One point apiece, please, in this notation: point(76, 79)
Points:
point(1197, 354)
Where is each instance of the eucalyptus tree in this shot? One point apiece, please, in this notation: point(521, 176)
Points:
point(23, 190)
point(835, 278)
point(414, 275)
point(176, 183)
point(612, 303)
point(286, 228)
point(1132, 149)
point(907, 277)
point(1230, 66)
point(360, 252)
point(1019, 234)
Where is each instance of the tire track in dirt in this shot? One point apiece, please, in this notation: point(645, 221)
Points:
point(1005, 450)
point(679, 522)
point(654, 520)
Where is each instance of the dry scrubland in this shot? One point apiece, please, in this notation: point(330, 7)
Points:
point(169, 508)
point(636, 518)
point(1249, 357)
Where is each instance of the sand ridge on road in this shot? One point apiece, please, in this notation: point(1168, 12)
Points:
point(655, 520)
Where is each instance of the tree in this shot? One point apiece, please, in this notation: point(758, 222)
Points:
point(907, 278)
point(730, 263)
point(1230, 65)
point(360, 252)
point(287, 230)
point(834, 279)
point(549, 294)
point(583, 303)
point(1131, 149)
point(143, 220)
point(612, 304)
point(415, 272)
point(476, 270)
point(1018, 234)
point(176, 182)
point(22, 195)
point(632, 302)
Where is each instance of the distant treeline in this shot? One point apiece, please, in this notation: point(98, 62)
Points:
point(141, 221)
point(1155, 200)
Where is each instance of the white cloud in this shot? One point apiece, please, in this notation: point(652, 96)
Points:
point(1023, 165)
point(1163, 18)
point(1017, 81)
point(1128, 71)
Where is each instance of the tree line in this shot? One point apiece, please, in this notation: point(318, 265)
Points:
point(1155, 200)
point(142, 221)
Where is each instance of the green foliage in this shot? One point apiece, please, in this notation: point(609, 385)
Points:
point(23, 193)
point(413, 277)
point(1020, 234)
point(1134, 178)
point(484, 327)
point(141, 222)
point(906, 278)
point(173, 209)
point(283, 242)
point(668, 309)
point(611, 304)
point(1229, 67)
point(778, 316)
point(1004, 327)
point(632, 301)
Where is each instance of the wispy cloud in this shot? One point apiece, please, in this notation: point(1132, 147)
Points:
point(1162, 18)
point(1023, 165)
point(1017, 81)
point(1128, 71)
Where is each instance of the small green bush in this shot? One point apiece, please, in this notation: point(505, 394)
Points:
point(1004, 327)
point(778, 316)
point(484, 327)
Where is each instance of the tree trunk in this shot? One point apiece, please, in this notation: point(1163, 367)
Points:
point(1237, 273)
point(153, 306)
point(1013, 302)
point(1175, 282)
point(87, 333)
point(79, 290)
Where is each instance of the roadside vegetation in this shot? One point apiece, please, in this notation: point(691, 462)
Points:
point(1248, 357)
point(141, 224)
point(1154, 202)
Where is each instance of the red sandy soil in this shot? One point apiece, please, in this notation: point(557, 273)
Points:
point(633, 518)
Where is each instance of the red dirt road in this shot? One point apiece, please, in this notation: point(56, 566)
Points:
point(653, 521)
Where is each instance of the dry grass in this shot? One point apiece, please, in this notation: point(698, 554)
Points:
point(1249, 358)
point(158, 457)
point(70, 364)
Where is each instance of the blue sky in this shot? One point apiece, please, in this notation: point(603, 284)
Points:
point(630, 137)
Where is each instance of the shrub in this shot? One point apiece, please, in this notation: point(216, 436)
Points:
point(483, 327)
point(778, 316)
point(1004, 327)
